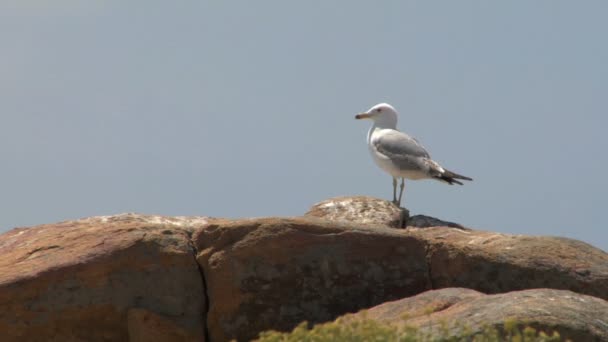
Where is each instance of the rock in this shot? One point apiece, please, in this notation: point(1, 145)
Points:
point(148, 277)
point(360, 209)
point(419, 305)
point(493, 263)
point(101, 279)
point(423, 221)
point(144, 326)
point(370, 210)
point(275, 273)
point(486, 261)
point(574, 316)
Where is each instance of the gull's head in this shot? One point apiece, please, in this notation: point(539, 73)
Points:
point(383, 114)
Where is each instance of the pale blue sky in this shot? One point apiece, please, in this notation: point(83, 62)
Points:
point(239, 109)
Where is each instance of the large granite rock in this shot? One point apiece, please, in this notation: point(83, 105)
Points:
point(102, 279)
point(485, 261)
point(494, 263)
point(135, 277)
point(275, 273)
point(574, 316)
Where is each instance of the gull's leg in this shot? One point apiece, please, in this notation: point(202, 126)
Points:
point(402, 186)
point(395, 190)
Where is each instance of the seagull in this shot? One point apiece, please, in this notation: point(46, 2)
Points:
point(400, 155)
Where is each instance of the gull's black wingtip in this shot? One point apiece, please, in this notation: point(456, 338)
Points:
point(451, 177)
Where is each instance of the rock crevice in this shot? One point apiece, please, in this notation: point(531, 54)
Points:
point(206, 298)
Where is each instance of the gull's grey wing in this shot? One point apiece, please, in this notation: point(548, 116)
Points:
point(393, 143)
point(404, 151)
point(409, 155)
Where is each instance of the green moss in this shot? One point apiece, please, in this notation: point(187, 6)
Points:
point(370, 330)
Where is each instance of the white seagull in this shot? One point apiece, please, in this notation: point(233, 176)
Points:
point(399, 154)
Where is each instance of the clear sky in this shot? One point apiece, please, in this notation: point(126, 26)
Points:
point(242, 108)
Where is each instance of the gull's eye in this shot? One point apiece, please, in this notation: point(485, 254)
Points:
point(379, 110)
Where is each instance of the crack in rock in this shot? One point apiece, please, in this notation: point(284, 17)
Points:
point(205, 289)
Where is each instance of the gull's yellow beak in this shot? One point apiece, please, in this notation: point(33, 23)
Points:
point(363, 116)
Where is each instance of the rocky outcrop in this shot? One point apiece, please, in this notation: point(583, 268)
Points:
point(140, 277)
point(274, 273)
point(494, 263)
point(574, 316)
point(102, 279)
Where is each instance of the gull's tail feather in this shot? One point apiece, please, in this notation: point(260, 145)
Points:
point(451, 177)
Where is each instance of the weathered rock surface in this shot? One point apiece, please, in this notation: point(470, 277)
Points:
point(486, 261)
point(135, 277)
point(360, 209)
point(574, 316)
point(102, 279)
point(370, 210)
point(422, 304)
point(494, 263)
point(423, 221)
point(275, 273)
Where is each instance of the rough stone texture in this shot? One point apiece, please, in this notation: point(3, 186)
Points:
point(423, 221)
point(486, 261)
point(370, 210)
point(493, 262)
point(360, 209)
point(101, 279)
point(419, 305)
point(574, 316)
point(136, 277)
point(146, 326)
point(274, 273)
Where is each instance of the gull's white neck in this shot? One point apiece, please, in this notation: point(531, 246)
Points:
point(380, 124)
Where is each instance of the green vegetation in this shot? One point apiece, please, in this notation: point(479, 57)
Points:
point(360, 330)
